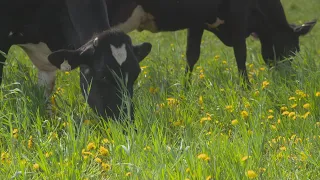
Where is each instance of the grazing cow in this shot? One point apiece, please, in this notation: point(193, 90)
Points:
point(236, 20)
point(108, 60)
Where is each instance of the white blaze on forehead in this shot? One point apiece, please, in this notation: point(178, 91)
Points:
point(119, 53)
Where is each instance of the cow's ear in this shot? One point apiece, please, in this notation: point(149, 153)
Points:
point(142, 50)
point(304, 28)
point(67, 60)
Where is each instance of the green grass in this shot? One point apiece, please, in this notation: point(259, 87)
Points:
point(173, 132)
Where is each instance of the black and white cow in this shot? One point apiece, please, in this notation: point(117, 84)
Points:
point(236, 19)
point(108, 60)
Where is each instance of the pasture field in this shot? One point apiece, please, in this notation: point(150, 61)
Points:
point(213, 130)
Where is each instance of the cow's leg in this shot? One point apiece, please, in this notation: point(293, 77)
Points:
point(47, 79)
point(193, 50)
point(193, 47)
point(238, 26)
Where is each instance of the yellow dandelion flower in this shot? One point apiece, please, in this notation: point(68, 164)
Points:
point(244, 114)
point(15, 133)
point(204, 157)
point(201, 76)
point(188, 170)
point(105, 141)
point(202, 120)
point(270, 111)
point(262, 169)
point(244, 158)
point(216, 57)
point(229, 108)
point(317, 94)
point(178, 123)
point(306, 106)
point(200, 100)
point(36, 166)
point(279, 121)
point(318, 124)
point(53, 135)
point(224, 62)
point(283, 108)
point(65, 124)
point(105, 166)
point(294, 105)
point(265, 84)
point(103, 151)
point(285, 113)
point(147, 148)
point(283, 148)
point(85, 153)
point(128, 174)
point(273, 127)
point(301, 93)
point(208, 177)
point(67, 73)
point(247, 105)
point(208, 133)
point(172, 101)
point(292, 98)
point(251, 174)
point(306, 115)
point(91, 146)
point(4, 156)
point(234, 122)
point(270, 117)
point(98, 160)
point(262, 68)
point(48, 154)
point(256, 93)
point(143, 67)
point(30, 142)
point(291, 114)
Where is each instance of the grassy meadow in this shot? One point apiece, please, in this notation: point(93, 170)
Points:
point(214, 130)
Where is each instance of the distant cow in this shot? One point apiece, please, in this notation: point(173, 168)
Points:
point(108, 60)
point(236, 20)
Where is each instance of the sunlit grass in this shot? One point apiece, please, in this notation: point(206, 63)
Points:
point(213, 130)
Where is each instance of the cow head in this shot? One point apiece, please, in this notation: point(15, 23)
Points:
point(282, 43)
point(110, 67)
point(279, 39)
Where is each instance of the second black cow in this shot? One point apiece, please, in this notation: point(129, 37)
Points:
point(236, 19)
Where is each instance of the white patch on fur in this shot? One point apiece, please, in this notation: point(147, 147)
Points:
point(10, 33)
point(215, 24)
point(133, 22)
point(120, 53)
point(65, 66)
point(38, 53)
point(47, 79)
